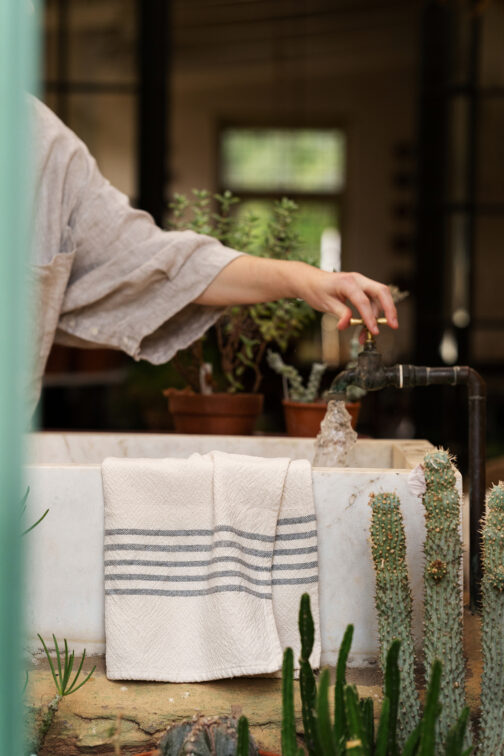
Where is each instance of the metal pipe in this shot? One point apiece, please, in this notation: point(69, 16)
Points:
point(410, 376)
point(372, 375)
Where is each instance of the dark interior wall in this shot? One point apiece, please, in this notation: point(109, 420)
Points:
point(460, 212)
point(341, 64)
point(354, 65)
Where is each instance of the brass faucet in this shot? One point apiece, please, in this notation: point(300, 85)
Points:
point(371, 374)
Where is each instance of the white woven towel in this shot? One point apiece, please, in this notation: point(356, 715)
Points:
point(205, 561)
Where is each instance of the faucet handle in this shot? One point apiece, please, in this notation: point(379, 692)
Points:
point(369, 335)
point(359, 321)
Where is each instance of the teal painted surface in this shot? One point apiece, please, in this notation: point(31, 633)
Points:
point(18, 56)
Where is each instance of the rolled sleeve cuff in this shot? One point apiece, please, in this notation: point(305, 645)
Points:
point(152, 319)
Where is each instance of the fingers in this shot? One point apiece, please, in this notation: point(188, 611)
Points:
point(334, 292)
point(344, 318)
point(353, 291)
point(342, 312)
point(381, 294)
point(369, 297)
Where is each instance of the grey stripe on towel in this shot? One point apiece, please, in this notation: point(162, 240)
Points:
point(208, 562)
point(211, 576)
point(296, 520)
point(152, 540)
point(206, 547)
point(217, 529)
point(197, 592)
point(185, 533)
point(186, 578)
point(187, 547)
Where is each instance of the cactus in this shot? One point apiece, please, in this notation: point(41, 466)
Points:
point(394, 603)
point(431, 712)
point(289, 740)
point(243, 741)
point(443, 632)
point(307, 682)
point(492, 683)
point(298, 392)
point(339, 690)
point(352, 731)
point(208, 736)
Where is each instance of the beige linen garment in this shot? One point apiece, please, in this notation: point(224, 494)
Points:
point(105, 274)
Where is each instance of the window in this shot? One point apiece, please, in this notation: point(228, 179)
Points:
point(91, 79)
point(304, 164)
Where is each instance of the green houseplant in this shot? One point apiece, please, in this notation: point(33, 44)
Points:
point(223, 371)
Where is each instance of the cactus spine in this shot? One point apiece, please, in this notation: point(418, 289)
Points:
point(492, 683)
point(443, 631)
point(394, 603)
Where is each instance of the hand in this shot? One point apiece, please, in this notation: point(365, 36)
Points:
point(330, 292)
point(249, 279)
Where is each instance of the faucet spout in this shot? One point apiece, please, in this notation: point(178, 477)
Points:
point(369, 374)
point(340, 384)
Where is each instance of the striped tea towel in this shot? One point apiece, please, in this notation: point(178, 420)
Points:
point(205, 562)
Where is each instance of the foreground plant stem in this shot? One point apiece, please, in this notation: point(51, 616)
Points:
point(46, 723)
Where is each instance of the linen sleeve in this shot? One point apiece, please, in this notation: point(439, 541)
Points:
point(132, 285)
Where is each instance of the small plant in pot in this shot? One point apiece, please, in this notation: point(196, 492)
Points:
point(304, 410)
point(304, 406)
point(223, 371)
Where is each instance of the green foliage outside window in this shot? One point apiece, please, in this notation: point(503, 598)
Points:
point(282, 160)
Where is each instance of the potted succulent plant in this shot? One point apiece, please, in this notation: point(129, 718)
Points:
point(223, 371)
point(304, 410)
point(304, 406)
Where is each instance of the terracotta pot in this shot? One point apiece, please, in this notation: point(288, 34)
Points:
point(304, 418)
point(219, 414)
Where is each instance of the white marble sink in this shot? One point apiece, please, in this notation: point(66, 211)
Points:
point(64, 562)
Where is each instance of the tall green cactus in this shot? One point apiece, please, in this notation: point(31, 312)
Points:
point(289, 739)
point(443, 630)
point(307, 682)
point(492, 682)
point(352, 731)
point(394, 603)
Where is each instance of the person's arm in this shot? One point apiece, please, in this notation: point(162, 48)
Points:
point(248, 279)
